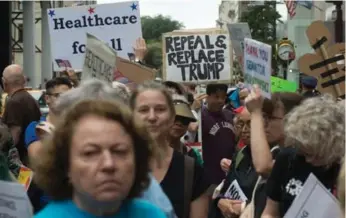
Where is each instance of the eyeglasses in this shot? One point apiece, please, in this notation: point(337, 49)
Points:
point(267, 119)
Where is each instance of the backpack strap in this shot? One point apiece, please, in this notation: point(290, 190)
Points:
point(189, 168)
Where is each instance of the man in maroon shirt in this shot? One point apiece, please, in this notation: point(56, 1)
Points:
point(218, 138)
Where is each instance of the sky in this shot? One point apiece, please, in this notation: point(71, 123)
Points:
point(185, 11)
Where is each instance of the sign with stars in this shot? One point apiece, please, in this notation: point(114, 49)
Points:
point(117, 24)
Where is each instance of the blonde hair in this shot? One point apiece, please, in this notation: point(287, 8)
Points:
point(317, 126)
point(341, 187)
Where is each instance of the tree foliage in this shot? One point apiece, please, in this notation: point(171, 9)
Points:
point(153, 27)
point(262, 22)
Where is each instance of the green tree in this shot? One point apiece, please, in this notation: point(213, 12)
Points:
point(262, 22)
point(153, 27)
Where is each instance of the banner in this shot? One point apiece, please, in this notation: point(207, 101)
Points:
point(196, 57)
point(99, 61)
point(258, 65)
point(281, 85)
point(117, 24)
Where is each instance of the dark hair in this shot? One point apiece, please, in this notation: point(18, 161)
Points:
point(213, 88)
point(289, 100)
point(51, 169)
point(51, 84)
point(176, 86)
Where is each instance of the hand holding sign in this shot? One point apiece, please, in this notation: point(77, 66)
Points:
point(254, 101)
point(197, 103)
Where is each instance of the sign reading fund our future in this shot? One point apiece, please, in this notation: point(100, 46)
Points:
point(257, 65)
point(196, 57)
point(117, 24)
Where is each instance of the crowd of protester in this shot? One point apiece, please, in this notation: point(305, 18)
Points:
point(103, 150)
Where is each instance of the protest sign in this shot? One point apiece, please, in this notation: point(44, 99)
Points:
point(117, 24)
point(131, 74)
point(238, 32)
point(201, 57)
point(14, 201)
point(258, 65)
point(314, 201)
point(100, 60)
point(281, 85)
point(25, 176)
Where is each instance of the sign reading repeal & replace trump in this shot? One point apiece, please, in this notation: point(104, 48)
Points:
point(196, 57)
point(117, 24)
point(257, 65)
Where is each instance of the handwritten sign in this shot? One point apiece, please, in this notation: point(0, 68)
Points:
point(281, 85)
point(14, 201)
point(99, 61)
point(235, 192)
point(25, 176)
point(257, 65)
point(196, 58)
point(305, 204)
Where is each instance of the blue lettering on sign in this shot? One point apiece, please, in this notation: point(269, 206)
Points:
point(258, 68)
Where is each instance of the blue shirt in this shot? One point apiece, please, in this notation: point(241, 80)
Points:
point(30, 132)
point(155, 195)
point(131, 209)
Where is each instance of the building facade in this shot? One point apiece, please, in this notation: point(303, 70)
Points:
point(18, 34)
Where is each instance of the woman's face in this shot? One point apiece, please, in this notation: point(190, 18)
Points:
point(179, 127)
point(274, 125)
point(102, 162)
point(152, 108)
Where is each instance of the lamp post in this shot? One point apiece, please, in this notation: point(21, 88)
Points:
point(338, 23)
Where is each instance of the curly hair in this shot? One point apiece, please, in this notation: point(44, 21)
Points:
point(51, 169)
point(318, 126)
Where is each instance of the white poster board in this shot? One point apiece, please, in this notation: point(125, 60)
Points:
point(258, 65)
point(118, 24)
point(314, 201)
point(238, 32)
point(14, 201)
point(99, 61)
point(197, 57)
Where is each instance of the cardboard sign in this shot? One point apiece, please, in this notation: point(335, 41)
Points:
point(25, 176)
point(258, 65)
point(196, 57)
point(281, 85)
point(327, 64)
point(99, 61)
point(132, 74)
point(117, 24)
point(14, 201)
point(314, 201)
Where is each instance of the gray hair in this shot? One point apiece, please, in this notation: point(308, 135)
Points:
point(122, 90)
point(318, 126)
point(89, 89)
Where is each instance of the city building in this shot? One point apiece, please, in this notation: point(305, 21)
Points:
point(17, 29)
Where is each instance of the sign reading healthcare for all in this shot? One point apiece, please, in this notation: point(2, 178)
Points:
point(197, 58)
point(257, 65)
point(117, 24)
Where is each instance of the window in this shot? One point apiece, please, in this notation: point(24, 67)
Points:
point(20, 33)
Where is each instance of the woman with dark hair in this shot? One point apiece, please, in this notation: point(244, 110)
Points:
point(95, 164)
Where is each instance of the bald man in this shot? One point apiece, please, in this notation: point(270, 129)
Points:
point(20, 108)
